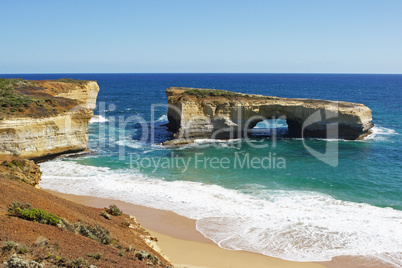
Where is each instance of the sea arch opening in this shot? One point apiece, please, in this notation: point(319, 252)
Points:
point(263, 127)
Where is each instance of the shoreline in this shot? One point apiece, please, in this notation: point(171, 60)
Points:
point(181, 242)
point(186, 247)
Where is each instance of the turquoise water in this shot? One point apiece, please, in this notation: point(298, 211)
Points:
point(293, 206)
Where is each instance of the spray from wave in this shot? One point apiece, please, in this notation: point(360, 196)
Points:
point(381, 133)
point(98, 119)
point(163, 119)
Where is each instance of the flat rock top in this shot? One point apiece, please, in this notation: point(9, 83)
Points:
point(197, 94)
point(27, 98)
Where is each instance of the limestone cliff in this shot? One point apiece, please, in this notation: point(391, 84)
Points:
point(207, 113)
point(40, 119)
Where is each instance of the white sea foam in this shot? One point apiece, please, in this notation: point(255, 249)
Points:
point(270, 124)
point(98, 119)
point(210, 141)
point(292, 225)
point(204, 143)
point(381, 133)
point(163, 118)
point(130, 143)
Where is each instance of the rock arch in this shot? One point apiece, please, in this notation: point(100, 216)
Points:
point(207, 113)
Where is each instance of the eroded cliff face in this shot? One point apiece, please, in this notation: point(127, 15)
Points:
point(37, 133)
point(205, 113)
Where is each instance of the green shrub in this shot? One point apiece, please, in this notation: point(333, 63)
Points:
point(23, 250)
point(24, 211)
point(9, 97)
point(126, 223)
point(114, 210)
point(79, 263)
point(15, 262)
point(9, 245)
point(95, 232)
point(106, 215)
point(41, 241)
point(96, 256)
point(143, 255)
point(14, 205)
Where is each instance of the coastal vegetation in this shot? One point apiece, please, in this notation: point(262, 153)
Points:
point(95, 232)
point(203, 93)
point(24, 211)
point(19, 169)
point(106, 215)
point(19, 97)
point(114, 210)
point(70, 80)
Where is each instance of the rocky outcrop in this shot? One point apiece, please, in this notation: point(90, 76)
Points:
point(42, 133)
point(207, 113)
point(19, 169)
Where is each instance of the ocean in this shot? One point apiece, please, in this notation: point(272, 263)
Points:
point(290, 205)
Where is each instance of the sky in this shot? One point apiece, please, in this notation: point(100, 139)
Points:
point(186, 36)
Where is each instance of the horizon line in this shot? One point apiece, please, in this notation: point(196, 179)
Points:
point(196, 73)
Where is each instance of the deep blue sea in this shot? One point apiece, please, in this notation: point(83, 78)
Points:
point(294, 207)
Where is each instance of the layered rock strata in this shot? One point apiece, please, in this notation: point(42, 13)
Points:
point(39, 136)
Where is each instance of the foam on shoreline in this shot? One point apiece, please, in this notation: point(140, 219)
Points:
point(291, 225)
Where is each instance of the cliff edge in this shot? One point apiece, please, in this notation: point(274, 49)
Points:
point(219, 114)
point(42, 119)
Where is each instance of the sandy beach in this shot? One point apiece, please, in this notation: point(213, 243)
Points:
point(182, 243)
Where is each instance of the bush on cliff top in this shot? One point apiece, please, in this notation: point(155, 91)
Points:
point(9, 84)
point(9, 97)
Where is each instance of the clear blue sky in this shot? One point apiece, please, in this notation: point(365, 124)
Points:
point(342, 36)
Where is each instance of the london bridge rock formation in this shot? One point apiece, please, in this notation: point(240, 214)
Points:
point(207, 113)
point(40, 119)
